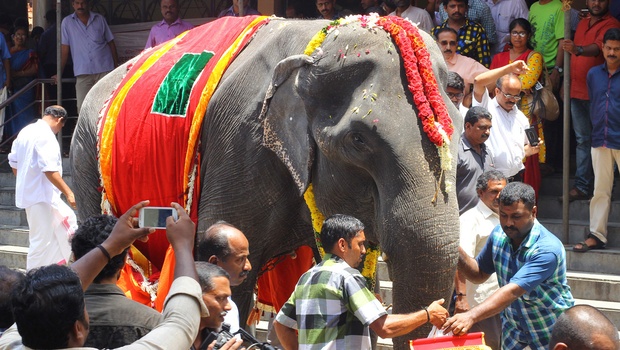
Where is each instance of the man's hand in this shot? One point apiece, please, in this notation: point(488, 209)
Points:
point(531, 150)
point(125, 232)
point(518, 67)
point(71, 199)
point(555, 79)
point(437, 313)
point(461, 305)
point(459, 324)
point(569, 46)
point(180, 233)
point(55, 79)
point(232, 344)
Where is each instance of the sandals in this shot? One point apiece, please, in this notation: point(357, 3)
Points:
point(585, 247)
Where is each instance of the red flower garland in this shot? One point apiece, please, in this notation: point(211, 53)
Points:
point(420, 76)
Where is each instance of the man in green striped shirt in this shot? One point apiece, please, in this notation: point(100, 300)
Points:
point(331, 306)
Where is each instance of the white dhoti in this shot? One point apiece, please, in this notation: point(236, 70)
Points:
point(51, 228)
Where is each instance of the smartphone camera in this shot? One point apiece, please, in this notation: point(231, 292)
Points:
point(155, 216)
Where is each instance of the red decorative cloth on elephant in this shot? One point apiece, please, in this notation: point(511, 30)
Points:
point(149, 132)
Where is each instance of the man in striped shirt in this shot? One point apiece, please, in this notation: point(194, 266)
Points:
point(331, 306)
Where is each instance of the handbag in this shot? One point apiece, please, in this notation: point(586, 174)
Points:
point(544, 104)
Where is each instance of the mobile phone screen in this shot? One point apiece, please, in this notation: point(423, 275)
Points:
point(532, 136)
point(155, 217)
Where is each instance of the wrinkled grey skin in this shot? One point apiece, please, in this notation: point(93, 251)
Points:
point(374, 164)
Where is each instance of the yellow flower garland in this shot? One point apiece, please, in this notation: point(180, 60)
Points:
point(372, 252)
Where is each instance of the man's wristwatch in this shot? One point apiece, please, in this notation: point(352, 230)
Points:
point(579, 51)
point(559, 69)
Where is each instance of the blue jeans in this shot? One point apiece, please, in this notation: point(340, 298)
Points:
point(580, 116)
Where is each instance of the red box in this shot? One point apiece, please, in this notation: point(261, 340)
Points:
point(468, 341)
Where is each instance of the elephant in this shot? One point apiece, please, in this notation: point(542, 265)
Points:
point(280, 120)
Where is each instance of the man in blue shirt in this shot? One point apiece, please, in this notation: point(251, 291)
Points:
point(603, 88)
point(530, 263)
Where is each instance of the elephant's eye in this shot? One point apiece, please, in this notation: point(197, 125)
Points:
point(358, 139)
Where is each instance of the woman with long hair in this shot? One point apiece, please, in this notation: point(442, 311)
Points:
point(520, 48)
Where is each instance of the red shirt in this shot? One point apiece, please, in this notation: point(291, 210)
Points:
point(580, 65)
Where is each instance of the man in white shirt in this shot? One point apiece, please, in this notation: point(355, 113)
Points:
point(227, 247)
point(415, 14)
point(37, 164)
point(508, 141)
point(476, 225)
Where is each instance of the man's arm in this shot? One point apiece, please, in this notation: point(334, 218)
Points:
point(7, 69)
point(555, 76)
point(460, 285)
point(493, 305)
point(112, 46)
point(491, 76)
point(64, 57)
point(390, 326)
point(286, 335)
point(57, 180)
point(470, 269)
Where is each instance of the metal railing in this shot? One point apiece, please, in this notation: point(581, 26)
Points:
point(64, 138)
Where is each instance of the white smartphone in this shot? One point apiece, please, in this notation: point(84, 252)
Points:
point(156, 216)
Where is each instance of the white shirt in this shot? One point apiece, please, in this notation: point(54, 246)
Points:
point(418, 16)
point(34, 152)
point(504, 12)
point(232, 317)
point(507, 139)
point(476, 226)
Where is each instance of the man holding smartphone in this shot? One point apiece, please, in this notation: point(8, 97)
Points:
point(37, 164)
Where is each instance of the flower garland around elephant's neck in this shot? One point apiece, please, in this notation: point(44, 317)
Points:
point(372, 252)
point(432, 110)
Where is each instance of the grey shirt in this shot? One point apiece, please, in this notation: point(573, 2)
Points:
point(470, 165)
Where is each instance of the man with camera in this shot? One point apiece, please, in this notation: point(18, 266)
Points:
point(325, 319)
point(227, 247)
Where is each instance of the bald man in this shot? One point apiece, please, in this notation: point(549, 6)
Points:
point(583, 327)
point(224, 245)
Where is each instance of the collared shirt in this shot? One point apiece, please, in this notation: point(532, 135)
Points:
point(471, 41)
point(580, 65)
point(504, 12)
point(538, 265)
point(116, 320)
point(34, 152)
point(331, 307)
point(470, 165)
point(476, 226)
point(182, 311)
point(5, 54)
point(548, 25)
point(232, 317)
point(604, 106)
point(162, 31)
point(478, 12)
point(468, 69)
point(88, 44)
point(418, 16)
point(507, 139)
point(247, 11)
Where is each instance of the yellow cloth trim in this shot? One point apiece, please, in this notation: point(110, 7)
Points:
point(105, 148)
point(205, 97)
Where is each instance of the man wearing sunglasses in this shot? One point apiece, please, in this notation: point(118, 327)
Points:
point(507, 141)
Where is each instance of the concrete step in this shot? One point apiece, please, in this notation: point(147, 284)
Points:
point(550, 207)
point(594, 286)
point(552, 185)
point(14, 235)
point(11, 215)
point(7, 195)
point(577, 230)
point(605, 261)
point(13, 257)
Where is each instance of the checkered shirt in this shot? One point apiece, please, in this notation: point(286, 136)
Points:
point(471, 42)
point(539, 267)
point(331, 307)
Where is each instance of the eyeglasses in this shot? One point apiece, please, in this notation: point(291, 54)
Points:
point(521, 34)
point(453, 95)
point(446, 43)
point(515, 97)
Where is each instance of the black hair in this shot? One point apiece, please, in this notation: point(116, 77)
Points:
point(476, 113)
point(9, 278)
point(611, 34)
point(516, 192)
point(206, 272)
point(482, 183)
point(446, 2)
point(46, 305)
point(92, 232)
point(576, 326)
point(55, 111)
point(455, 81)
point(446, 30)
point(215, 242)
point(526, 25)
point(339, 226)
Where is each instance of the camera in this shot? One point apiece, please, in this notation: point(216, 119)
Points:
point(224, 336)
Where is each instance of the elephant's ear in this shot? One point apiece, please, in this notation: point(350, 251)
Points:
point(285, 123)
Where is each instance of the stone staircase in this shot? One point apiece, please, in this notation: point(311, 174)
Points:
point(594, 276)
